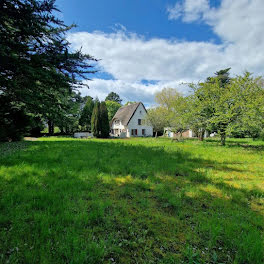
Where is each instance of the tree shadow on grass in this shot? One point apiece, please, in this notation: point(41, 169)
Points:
point(243, 143)
point(228, 140)
point(247, 146)
point(94, 201)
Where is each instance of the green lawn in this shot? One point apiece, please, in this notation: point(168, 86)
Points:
point(127, 201)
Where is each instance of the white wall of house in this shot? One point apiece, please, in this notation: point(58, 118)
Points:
point(117, 125)
point(118, 129)
point(140, 113)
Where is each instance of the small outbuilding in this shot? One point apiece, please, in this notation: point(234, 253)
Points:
point(83, 135)
point(188, 133)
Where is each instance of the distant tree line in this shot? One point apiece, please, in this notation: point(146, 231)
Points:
point(229, 106)
point(96, 116)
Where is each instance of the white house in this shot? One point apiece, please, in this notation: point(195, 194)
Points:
point(130, 121)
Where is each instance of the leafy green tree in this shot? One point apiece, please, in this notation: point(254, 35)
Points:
point(112, 108)
point(105, 127)
point(201, 110)
point(167, 97)
point(180, 119)
point(199, 114)
point(96, 120)
point(226, 104)
point(250, 121)
point(155, 117)
point(86, 114)
point(221, 102)
point(68, 118)
point(113, 97)
point(175, 109)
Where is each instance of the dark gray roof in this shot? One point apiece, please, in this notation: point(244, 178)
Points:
point(125, 113)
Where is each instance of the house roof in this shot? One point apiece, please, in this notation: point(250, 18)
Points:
point(125, 113)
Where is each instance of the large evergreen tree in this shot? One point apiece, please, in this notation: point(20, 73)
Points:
point(14, 122)
point(105, 127)
point(96, 120)
point(37, 72)
point(86, 114)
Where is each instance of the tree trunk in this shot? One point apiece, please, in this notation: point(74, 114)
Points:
point(156, 134)
point(67, 130)
point(201, 134)
point(51, 127)
point(223, 138)
point(61, 129)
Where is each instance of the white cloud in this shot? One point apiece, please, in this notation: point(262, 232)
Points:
point(129, 91)
point(189, 10)
point(130, 58)
point(175, 11)
point(240, 22)
point(236, 21)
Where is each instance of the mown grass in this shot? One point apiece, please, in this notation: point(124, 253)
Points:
point(64, 200)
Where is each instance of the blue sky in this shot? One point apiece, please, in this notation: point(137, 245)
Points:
point(145, 17)
point(146, 45)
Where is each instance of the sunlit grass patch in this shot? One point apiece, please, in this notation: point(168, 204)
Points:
point(138, 200)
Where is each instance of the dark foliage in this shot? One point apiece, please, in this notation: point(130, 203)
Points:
point(105, 127)
point(96, 122)
point(86, 114)
point(113, 97)
point(37, 71)
point(14, 122)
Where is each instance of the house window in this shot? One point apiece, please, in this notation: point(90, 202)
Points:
point(139, 122)
point(143, 132)
point(134, 132)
